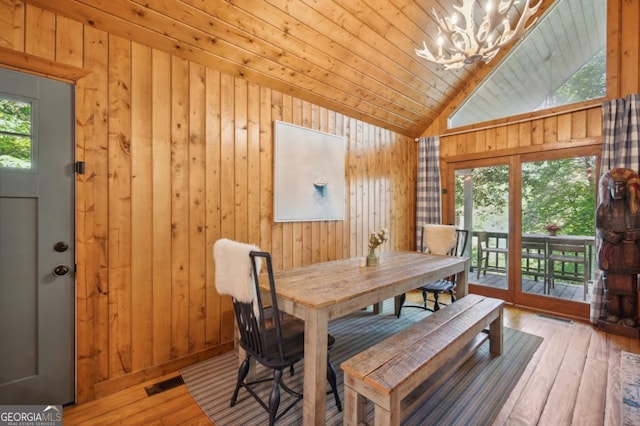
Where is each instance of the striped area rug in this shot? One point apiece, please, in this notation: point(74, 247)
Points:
point(473, 395)
point(630, 388)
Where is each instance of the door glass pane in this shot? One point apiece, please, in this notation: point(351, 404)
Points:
point(558, 227)
point(482, 205)
point(15, 134)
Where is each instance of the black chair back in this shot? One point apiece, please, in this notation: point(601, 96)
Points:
point(262, 337)
point(462, 236)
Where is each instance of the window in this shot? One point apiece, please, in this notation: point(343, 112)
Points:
point(15, 134)
point(560, 61)
point(509, 204)
point(558, 227)
point(482, 206)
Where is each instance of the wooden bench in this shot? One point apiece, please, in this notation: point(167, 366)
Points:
point(389, 371)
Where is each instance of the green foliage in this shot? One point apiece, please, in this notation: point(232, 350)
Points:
point(15, 117)
point(14, 146)
point(14, 163)
point(559, 192)
point(556, 191)
point(15, 130)
point(490, 197)
point(589, 82)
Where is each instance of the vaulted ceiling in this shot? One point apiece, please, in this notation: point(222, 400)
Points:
point(353, 56)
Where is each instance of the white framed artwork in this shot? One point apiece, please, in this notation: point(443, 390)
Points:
point(309, 174)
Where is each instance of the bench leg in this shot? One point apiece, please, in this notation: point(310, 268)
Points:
point(495, 334)
point(383, 417)
point(355, 407)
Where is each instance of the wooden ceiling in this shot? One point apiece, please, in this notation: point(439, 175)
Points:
point(353, 56)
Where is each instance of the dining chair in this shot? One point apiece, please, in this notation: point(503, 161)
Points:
point(273, 340)
point(485, 250)
point(444, 240)
point(570, 254)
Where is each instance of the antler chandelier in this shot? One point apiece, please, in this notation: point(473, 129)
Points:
point(460, 43)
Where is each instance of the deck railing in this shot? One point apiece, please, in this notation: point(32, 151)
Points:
point(492, 255)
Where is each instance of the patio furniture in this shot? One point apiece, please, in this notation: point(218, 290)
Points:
point(488, 249)
point(571, 254)
point(534, 256)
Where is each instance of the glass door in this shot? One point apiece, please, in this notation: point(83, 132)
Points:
point(482, 206)
point(558, 202)
point(531, 218)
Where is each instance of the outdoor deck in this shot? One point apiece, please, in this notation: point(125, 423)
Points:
point(562, 290)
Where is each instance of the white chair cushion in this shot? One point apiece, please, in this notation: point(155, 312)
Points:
point(438, 239)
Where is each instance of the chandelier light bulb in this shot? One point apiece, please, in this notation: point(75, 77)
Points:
point(457, 45)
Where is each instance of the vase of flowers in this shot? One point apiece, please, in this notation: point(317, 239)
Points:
point(552, 228)
point(376, 239)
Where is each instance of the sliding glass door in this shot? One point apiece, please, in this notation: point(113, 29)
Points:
point(531, 218)
point(558, 227)
point(482, 206)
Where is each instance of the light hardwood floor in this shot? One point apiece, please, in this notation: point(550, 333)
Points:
point(573, 379)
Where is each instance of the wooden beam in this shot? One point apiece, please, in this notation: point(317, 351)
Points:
point(25, 62)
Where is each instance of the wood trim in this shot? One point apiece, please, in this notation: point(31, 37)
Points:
point(521, 150)
point(24, 62)
point(110, 386)
point(526, 117)
point(614, 40)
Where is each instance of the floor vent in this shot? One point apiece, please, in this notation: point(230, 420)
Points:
point(164, 385)
point(568, 321)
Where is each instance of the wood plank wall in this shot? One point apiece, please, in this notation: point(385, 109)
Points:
point(178, 155)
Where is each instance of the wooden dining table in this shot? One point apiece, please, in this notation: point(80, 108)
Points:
point(323, 291)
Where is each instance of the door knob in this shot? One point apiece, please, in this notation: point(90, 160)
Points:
point(61, 270)
point(61, 247)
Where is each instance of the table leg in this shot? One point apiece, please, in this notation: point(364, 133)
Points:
point(315, 368)
point(397, 303)
point(462, 283)
point(496, 329)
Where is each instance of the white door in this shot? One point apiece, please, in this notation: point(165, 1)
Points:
point(36, 240)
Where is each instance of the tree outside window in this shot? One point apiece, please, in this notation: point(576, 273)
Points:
point(15, 134)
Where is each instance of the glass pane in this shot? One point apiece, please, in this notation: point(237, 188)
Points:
point(15, 134)
point(15, 152)
point(560, 61)
point(15, 117)
point(482, 205)
point(558, 227)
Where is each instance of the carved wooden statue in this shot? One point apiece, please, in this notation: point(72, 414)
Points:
point(618, 227)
